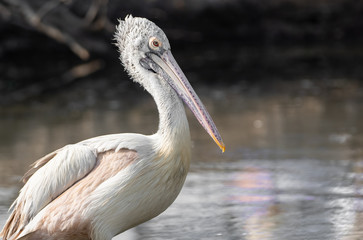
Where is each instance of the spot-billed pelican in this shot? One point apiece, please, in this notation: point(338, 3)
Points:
point(100, 187)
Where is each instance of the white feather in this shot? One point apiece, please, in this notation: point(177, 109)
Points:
point(71, 163)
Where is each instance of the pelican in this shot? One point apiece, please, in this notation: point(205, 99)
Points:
point(102, 186)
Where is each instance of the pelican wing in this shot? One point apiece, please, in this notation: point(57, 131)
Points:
point(38, 164)
point(49, 177)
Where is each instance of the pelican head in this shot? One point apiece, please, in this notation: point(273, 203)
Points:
point(145, 53)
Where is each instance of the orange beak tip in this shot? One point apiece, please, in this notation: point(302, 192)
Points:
point(223, 148)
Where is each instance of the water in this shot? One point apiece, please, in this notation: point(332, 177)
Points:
point(293, 166)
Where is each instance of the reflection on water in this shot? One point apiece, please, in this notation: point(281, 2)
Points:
point(293, 167)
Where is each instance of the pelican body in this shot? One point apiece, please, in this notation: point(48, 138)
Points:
point(100, 187)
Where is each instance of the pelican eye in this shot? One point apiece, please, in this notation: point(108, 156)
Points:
point(154, 43)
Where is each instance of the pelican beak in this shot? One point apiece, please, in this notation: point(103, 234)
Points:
point(178, 81)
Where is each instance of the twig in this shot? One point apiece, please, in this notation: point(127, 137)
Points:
point(98, 7)
point(35, 20)
point(92, 12)
point(47, 7)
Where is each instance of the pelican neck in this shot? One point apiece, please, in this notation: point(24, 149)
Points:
point(173, 123)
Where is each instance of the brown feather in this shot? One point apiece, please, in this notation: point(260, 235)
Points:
point(39, 235)
point(65, 210)
point(14, 224)
point(16, 218)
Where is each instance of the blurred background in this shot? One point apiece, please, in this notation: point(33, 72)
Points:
point(281, 78)
point(225, 42)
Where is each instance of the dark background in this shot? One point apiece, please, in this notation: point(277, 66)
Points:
point(49, 45)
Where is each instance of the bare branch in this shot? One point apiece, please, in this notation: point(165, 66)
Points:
point(35, 20)
point(47, 7)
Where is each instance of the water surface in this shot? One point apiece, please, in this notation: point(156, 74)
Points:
point(293, 166)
